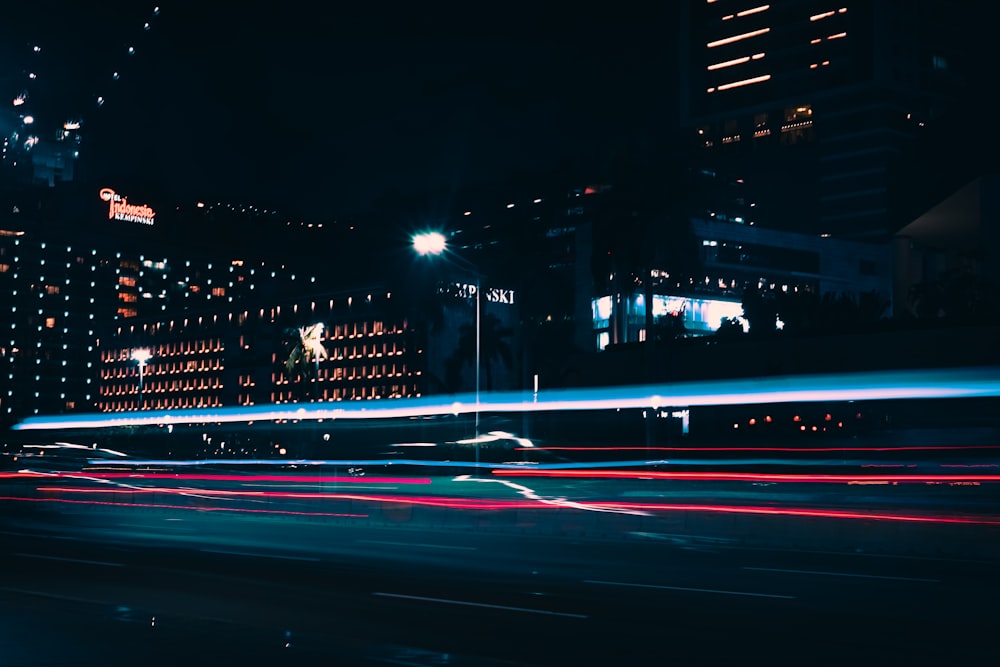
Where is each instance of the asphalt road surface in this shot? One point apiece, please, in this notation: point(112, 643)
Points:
point(85, 594)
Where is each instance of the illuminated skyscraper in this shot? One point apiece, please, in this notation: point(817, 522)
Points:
point(818, 102)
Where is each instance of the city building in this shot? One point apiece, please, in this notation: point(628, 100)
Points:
point(559, 271)
point(237, 356)
point(77, 263)
point(585, 259)
point(821, 104)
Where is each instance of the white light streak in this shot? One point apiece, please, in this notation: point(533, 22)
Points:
point(913, 384)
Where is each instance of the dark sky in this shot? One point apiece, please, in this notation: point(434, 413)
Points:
point(315, 109)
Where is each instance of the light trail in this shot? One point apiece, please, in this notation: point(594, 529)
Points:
point(184, 507)
point(871, 386)
point(747, 476)
point(531, 494)
point(310, 479)
point(480, 505)
point(804, 450)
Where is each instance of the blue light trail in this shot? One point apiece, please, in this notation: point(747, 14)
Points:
point(871, 386)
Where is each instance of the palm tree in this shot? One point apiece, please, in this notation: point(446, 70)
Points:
point(306, 352)
point(493, 346)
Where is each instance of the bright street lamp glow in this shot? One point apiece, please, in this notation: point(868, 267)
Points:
point(142, 356)
point(430, 243)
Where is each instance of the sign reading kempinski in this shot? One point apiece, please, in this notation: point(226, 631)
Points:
point(120, 209)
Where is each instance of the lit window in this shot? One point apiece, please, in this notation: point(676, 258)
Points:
point(754, 10)
point(745, 82)
point(729, 63)
point(736, 38)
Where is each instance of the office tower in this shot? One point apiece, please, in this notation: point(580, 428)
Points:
point(817, 103)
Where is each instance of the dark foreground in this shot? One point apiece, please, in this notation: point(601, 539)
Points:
point(254, 592)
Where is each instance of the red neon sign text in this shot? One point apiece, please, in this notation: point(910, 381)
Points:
point(120, 209)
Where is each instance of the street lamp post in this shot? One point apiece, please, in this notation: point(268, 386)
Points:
point(434, 243)
point(141, 356)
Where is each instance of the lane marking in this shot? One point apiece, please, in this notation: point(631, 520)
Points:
point(418, 544)
point(259, 555)
point(484, 605)
point(843, 574)
point(70, 560)
point(684, 588)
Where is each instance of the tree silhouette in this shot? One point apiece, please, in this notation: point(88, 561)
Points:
point(493, 347)
point(760, 309)
point(305, 345)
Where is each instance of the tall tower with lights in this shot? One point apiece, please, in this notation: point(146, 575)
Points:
point(818, 102)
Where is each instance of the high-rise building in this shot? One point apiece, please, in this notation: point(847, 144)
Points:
point(71, 276)
point(817, 102)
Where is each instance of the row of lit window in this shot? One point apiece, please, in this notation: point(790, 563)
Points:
point(132, 265)
point(747, 12)
point(163, 387)
point(164, 368)
point(155, 327)
point(161, 403)
point(276, 311)
point(352, 393)
point(738, 84)
point(366, 352)
point(355, 373)
point(361, 329)
point(179, 348)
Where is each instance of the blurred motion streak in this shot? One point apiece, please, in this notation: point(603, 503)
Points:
point(749, 477)
point(478, 505)
point(803, 450)
point(185, 507)
point(912, 384)
point(301, 479)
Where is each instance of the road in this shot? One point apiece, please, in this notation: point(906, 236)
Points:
point(397, 596)
point(869, 561)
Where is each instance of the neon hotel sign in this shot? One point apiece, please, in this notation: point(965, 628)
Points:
point(120, 209)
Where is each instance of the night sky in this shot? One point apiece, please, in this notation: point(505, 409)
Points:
point(318, 111)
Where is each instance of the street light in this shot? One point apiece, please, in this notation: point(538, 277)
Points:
point(434, 243)
point(141, 355)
